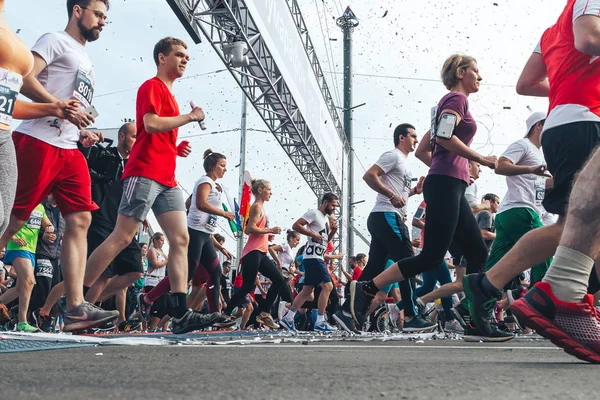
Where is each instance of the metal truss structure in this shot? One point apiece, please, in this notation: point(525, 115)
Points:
point(224, 22)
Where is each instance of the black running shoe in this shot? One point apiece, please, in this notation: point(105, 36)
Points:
point(359, 302)
point(481, 305)
point(473, 334)
point(418, 324)
point(143, 307)
point(193, 321)
point(43, 322)
point(224, 321)
point(345, 322)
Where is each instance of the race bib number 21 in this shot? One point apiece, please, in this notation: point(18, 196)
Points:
point(10, 85)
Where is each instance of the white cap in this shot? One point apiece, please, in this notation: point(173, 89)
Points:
point(533, 119)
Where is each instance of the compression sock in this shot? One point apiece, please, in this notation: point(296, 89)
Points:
point(179, 304)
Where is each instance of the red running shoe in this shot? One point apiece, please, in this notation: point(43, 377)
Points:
point(575, 327)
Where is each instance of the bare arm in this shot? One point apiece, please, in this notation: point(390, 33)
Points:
point(251, 228)
point(32, 88)
point(299, 226)
point(424, 151)
point(155, 124)
point(507, 168)
point(533, 80)
point(153, 260)
point(273, 252)
point(202, 201)
point(481, 207)
point(487, 235)
point(586, 31)
point(418, 223)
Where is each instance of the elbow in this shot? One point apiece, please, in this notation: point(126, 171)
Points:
point(150, 128)
point(367, 178)
point(521, 88)
point(296, 227)
point(587, 44)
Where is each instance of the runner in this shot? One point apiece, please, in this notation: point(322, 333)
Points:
point(320, 228)
point(47, 155)
point(149, 179)
point(391, 178)
point(20, 254)
point(254, 256)
point(448, 212)
point(564, 66)
point(203, 264)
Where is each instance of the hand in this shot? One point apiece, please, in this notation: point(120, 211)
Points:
point(49, 229)
point(271, 237)
point(317, 238)
point(80, 119)
point(419, 187)
point(333, 223)
point(49, 237)
point(540, 170)
point(489, 161)
point(398, 201)
point(184, 149)
point(279, 265)
point(229, 215)
point(88, 138)
point(66, 108)
point(18, 241)
point(226, 253)
point(276, 230)
point(145, 226)
point(197, 114)
point(416, 242)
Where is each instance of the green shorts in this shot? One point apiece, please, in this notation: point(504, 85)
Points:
point(510, 226)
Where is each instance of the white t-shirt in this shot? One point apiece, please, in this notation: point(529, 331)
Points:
point(200, 220)
point(157, 274)
point(472, 194)
point(527, 190)
point(396, 177)
point(318, 223)
point(69, 74)
point(286, 257)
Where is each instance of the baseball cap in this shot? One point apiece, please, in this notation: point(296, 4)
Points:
point(533, 119)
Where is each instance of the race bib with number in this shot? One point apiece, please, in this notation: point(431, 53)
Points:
point(84, 86)
point(10, 85)
point(540, 190)
point(35, 220)
point(212, 222)
point(44, 268)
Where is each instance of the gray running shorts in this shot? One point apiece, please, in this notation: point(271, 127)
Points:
point(142, 194)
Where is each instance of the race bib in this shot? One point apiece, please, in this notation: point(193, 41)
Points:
point(35, 221)
point(540, 190)
point(212, 222)
point(44, 268)
point(10, 85)
point(84, 86)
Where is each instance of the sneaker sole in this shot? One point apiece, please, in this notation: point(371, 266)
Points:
point(342, 324)
point(547, 329)
point(224, 325)
point(485, 339)
point(79, 326)
point(267, 324)
point(419, 330)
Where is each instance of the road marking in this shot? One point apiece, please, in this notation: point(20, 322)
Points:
point(333, 346)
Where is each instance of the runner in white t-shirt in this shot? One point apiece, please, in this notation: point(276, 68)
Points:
point(48, 160)
point(320, 228)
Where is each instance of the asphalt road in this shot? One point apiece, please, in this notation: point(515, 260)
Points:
point(396, 370)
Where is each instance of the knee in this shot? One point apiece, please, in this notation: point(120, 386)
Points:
point(135, 275)
point(327, 287)
point(180, 240)
point(78, 222)
point(26, 282)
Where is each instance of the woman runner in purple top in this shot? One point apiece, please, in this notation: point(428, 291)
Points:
point(448, 212)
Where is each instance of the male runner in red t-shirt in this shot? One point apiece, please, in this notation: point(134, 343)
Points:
point(564, 67)
point(149, 180)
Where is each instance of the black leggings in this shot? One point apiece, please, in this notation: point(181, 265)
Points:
point(253, 263)
point(201, 252)
point(162, 306)
point(448, 216)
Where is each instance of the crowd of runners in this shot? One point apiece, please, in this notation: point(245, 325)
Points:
point(484, 266)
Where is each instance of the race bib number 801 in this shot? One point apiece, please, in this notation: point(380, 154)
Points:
point(84, 87)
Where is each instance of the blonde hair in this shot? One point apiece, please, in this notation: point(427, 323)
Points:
point(258, 184)
point(454, 64)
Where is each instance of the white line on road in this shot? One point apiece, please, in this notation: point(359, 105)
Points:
point(333, 346)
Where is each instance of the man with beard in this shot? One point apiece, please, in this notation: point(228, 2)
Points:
point(320, 226)
point(48, 160)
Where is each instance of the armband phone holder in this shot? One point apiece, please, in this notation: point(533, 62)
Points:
point(445, 126)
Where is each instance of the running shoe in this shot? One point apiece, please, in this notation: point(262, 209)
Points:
point(453, 327)
point(462, 315)
point(480, 304)
point(418, 324)
point(324, 327)
point(193, 321)
point(25, 327)
point(359, 301)
point(143, 307)
point(345, 322)
point(267, 321)
point(287, 324)
point(224, 321)
point(575, 327)
point(44, 322)
point(129, 326)
point(87, 316)
point(472, 334)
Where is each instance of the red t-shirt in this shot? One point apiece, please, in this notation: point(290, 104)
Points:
point(154, 155)
point(356, 273)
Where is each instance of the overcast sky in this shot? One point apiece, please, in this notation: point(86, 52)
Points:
point(404, 43)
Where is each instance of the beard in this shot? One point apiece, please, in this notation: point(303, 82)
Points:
point(89, 35)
